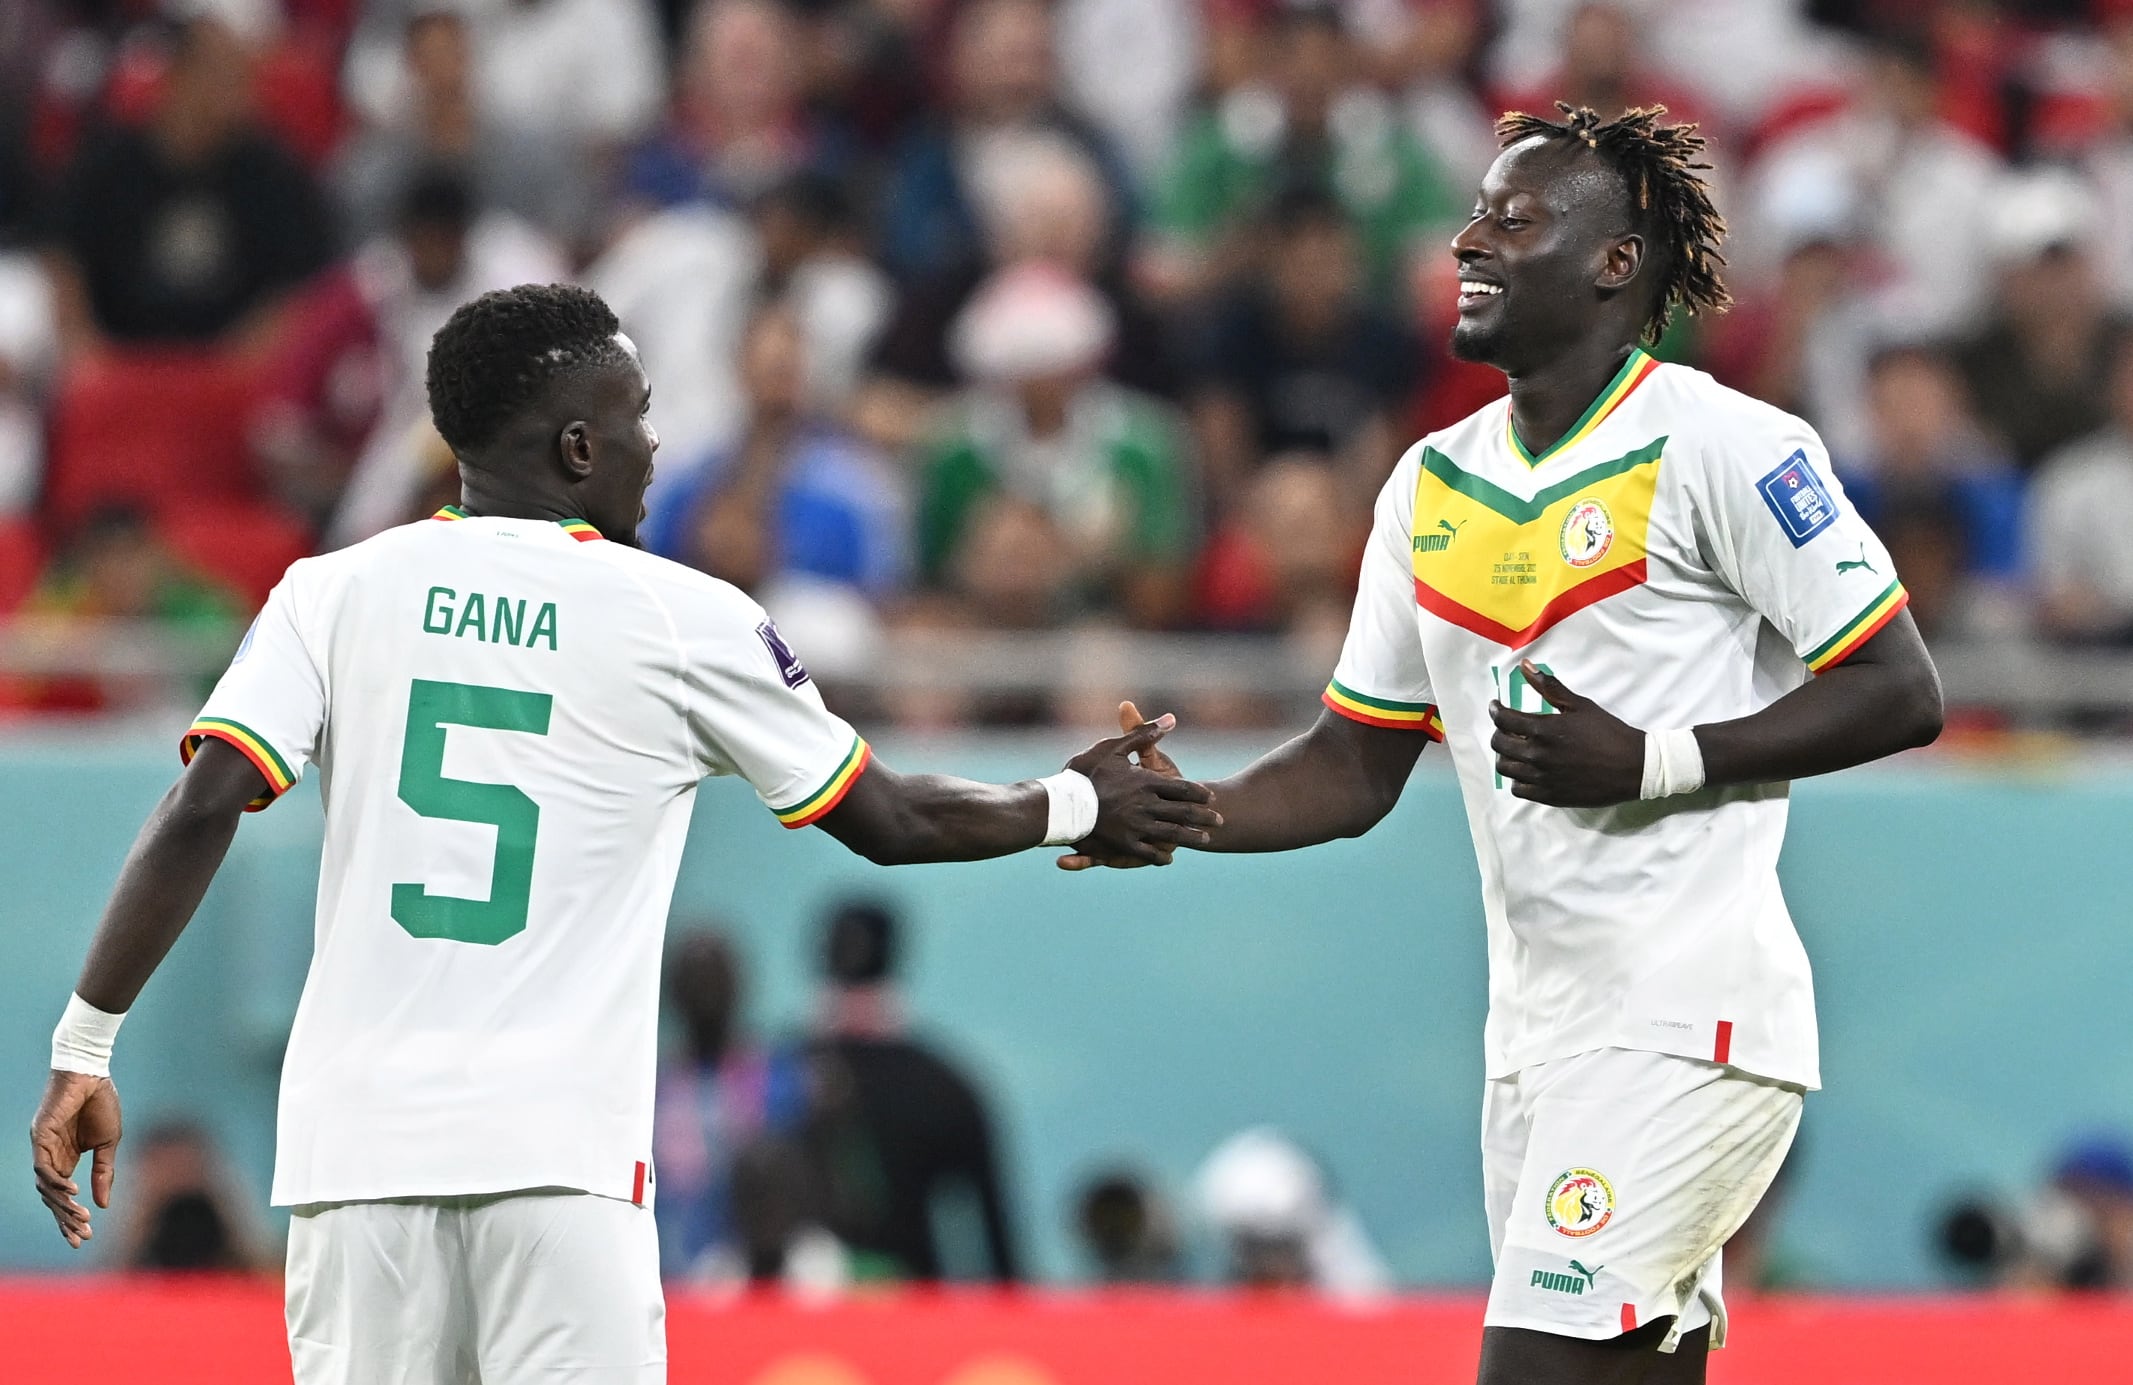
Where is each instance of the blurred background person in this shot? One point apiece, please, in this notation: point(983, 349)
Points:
point(2083, 568)
point(440, 122)
point(903, 1137)
point(1103, 469)
point(716, 1099)
point(194, 227)
point(2073, 1233)
point(779, 1242)
point(798, 512)
point(1944, 497)
point(1300, 359)
point(1003, 83)
point(1312, 122)
point(186, 1214)
point(1126, 1231)
point(738, 128)
point(1279, 1223)
point(2037, 365)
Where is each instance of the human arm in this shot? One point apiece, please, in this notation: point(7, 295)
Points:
point(159, 887)
point(904, 819)
point(1883, 699)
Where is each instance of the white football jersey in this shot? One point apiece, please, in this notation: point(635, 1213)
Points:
point(510, 718)
point(1682, 556)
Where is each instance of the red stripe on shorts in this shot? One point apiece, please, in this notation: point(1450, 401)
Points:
point(1629, 1318)
point(637, 1188)
point(1723, 1049)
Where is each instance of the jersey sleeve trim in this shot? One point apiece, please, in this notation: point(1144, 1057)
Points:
point(811, 808)
point(1380, 711)
point(248, 743)
point(1861, 628)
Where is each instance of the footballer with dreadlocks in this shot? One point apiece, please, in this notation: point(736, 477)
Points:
point(1633, 603)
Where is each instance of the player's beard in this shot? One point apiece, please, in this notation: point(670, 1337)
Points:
point(1477, 341)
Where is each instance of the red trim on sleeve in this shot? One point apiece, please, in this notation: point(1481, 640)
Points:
point(1722, 1050)
point(187, 747)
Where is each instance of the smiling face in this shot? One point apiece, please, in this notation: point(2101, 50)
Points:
point(609, 447)
point(1547, 260)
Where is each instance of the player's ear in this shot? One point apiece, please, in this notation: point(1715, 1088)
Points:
point(574, 444)
point(1625, 256)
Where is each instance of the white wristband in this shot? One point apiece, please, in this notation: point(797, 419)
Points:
point(1070, 812)
point(82, 1043)
point(1673, 763)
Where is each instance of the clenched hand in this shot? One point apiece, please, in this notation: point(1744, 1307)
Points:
point(1579, 756)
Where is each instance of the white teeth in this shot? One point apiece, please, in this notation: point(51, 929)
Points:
point(1470, 286)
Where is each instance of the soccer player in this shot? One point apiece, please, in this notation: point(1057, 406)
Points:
point(1633, 604)
point(510, 707)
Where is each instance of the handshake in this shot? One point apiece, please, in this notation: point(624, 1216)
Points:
point(1145, 809)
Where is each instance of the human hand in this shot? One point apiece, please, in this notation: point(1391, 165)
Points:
point(79, 1113)
point(1579, 756)
point(1144, 813)
point(1152, 758)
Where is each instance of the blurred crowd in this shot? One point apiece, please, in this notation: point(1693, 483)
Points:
point(1020, 314)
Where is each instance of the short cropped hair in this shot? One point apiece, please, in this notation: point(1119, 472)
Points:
point(501, 352)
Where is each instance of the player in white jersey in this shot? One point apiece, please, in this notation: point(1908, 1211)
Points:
point(1680, 555)
point(510, 707)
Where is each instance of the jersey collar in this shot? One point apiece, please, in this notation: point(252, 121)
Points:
point(1633, 373)
point(576, 528)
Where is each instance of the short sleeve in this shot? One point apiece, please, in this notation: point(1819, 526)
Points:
point(270, 704)
point(755, 712)
point(1382, 679)
point(1777, 527)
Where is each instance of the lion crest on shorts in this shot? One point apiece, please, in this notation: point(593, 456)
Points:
point(1580, 1202)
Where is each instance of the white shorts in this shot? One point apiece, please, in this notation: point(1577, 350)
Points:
point(1612, 1178)
point(549, 1285)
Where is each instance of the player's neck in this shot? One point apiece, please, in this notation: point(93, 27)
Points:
point(502, 505)
point(1548, 400)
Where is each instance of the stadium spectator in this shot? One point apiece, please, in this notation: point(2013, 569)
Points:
point(1139, 105)
point(2107, 159)
point(901, 1134)
point(1043, 456)
point(2082, 565)
point(1602, 63)
point(1312, 122)
point(686, 280)
point(590, 73)
point(342, 433)
point(440, 122)
point(1429, 52)
point(116, 569)
point(795, 498)
point(738, 127)
point(1280, 1224)
point(1942, 495)
point(195, 226)
point(2037, 366)
point(1127, 1232)
point(1003, 82)
point(1300, 360)
point(1923, 189)
point(185, 1213)
point(28, 345)
point(714, 1099)
point(780, 1242)
point(1042, 201)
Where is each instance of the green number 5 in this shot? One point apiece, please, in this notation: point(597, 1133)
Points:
point(517, 819)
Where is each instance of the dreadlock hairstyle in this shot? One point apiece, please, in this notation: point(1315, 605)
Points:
point(499, 352)
point(1659, 164)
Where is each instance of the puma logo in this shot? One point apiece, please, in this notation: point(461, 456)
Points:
point(1437, 543)
point(1845, 565)
point(1592, 1276)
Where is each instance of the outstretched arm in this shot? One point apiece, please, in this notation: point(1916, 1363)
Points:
point(1884, 698)
point(1337, 779)
point(158, 889)
point(1141, 815)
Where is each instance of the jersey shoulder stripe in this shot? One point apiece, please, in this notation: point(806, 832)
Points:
point(248, 743)
point(1380, 711)
point(1861, 628)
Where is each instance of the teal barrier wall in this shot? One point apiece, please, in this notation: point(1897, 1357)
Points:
point(1970, 931)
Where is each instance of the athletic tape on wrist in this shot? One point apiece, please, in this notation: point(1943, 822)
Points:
point(1673, 763)
point(1070, 807)
point(82, 1042)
